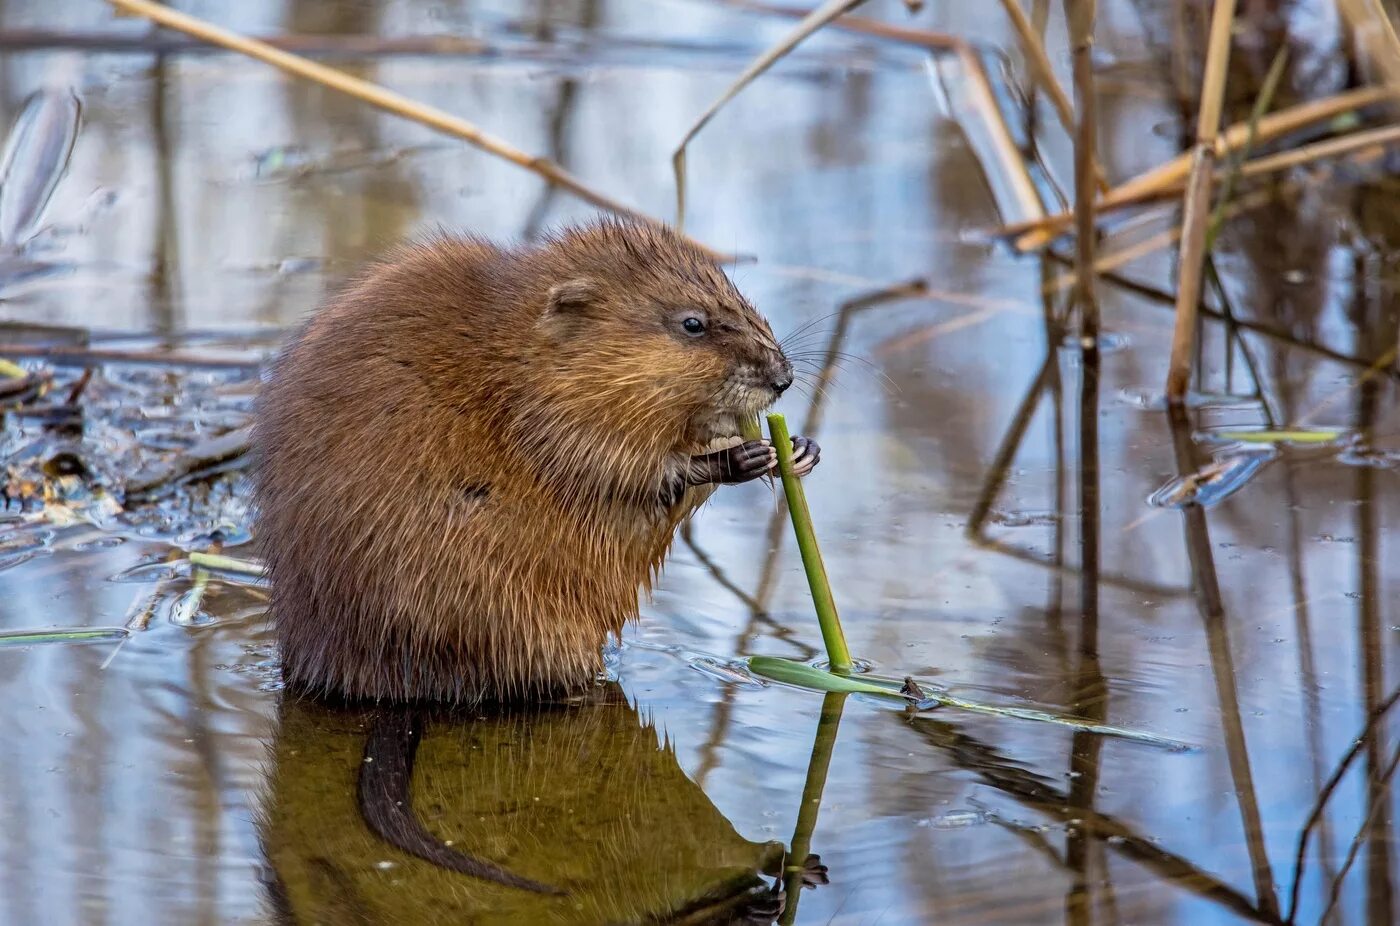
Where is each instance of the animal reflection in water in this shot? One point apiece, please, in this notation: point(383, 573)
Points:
point(543, 814)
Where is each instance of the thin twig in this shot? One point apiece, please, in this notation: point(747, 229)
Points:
point(1372, 812)
point(377, 96)
point(810, 23)
point(1323, 796)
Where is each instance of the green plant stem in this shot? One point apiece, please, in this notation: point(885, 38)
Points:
point(72, 635)
point(837, 654)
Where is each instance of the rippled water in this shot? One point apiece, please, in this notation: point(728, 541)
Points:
point(158, 776)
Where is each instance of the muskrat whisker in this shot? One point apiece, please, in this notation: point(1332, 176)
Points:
point(806, 341)
point(805, 328)
point(814, 389)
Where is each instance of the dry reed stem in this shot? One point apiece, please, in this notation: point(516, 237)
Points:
point(1116, 259)
point(379, 97)
point(1331, 147)
point(1196, 212)
point(1044, 74)
point(1171, 174)
point(1222, 21)
point(810, 23)
point(1195, 222)
point(1012, 162)
point(1081, 15)
point(1355, 143)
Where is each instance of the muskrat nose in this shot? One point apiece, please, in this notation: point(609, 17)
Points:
point(783, 378)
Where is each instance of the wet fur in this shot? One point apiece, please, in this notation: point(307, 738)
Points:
point(472, 459)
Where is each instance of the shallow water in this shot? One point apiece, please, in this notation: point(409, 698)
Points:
point(163, 780)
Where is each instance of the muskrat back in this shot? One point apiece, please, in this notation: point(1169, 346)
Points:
point(472, 459)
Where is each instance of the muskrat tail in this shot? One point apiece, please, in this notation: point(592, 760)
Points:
point(387, 808)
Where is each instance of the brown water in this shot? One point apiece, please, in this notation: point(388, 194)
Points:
point(163, 781)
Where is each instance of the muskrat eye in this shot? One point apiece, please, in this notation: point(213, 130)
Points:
point(693, 325)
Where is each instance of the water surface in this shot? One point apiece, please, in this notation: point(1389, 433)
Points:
point(165, 781)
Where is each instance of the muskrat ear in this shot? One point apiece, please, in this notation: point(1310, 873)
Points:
point(573, 295)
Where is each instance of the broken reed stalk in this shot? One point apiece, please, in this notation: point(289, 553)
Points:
point(838, 655)
point(379, 97)
point(1196, 209)
point(1044, 74)
point(1169, 175)
point(1080, 15)
point(810, 23)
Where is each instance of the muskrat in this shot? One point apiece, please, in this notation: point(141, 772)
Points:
point(472, 459)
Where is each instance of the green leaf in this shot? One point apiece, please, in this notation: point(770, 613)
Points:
point(802, 675)
point(1281, 436)
point(69, 635)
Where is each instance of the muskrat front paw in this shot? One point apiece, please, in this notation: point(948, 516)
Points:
point(749, 460)
point(733, 465)
point(806, 454)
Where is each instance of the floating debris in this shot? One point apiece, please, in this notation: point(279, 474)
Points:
point(1024, 518)
point(955, 820)
point(188, 608)
point(1109, 342)
point(1213, 483)
point(1155, 400)
point(203, 458)
point(1359, 454)
point(723, 670)
point(35, 156)
point(294, 162)
point(148, 572)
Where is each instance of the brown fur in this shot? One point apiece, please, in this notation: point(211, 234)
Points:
point(463, 459)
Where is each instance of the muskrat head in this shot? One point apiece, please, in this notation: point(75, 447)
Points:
point(673, 323)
